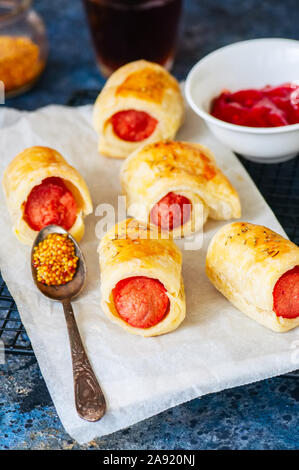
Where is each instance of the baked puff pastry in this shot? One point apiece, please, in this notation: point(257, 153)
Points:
point(141, 283)
point(41, 188)
point(140, 103)
point(176, 186)
point(258, 271)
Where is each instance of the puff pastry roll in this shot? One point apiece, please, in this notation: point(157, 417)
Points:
point(258, 271)
point(41, 188)
point(141, 282)
point(176, 186)
point(140, 103)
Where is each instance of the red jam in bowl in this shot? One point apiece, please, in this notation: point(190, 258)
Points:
point(268, 107)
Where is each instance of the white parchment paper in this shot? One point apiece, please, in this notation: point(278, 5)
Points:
point(216, 347)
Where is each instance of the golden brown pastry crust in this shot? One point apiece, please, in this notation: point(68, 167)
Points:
point(244, 262)
point(142, 86)
point(184, 168)
point(27, 170)
point(127, 250)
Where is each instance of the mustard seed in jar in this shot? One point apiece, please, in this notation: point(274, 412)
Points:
point(23, 46)
point(20, 62)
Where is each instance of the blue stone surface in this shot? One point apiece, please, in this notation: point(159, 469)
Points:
point(257, 416)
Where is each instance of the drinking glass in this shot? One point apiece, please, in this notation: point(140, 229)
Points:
point(127, 30)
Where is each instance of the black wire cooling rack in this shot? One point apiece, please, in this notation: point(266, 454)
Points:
point(278, 183)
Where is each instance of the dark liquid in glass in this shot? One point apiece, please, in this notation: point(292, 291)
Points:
point(127, 30)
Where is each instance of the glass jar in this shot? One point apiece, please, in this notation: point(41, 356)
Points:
point(23, 46)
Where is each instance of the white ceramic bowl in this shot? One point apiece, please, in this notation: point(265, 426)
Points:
point(247, 64)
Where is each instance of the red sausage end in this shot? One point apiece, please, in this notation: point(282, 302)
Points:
point(141, 301)
point(50, 203)
point(172, 211)
point(132, 125)
point(286, 294)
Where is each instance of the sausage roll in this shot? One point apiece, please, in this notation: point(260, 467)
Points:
point(141, 283)
point(41, 189)
point(140, 103)
point(176, 186)
point(258, 271)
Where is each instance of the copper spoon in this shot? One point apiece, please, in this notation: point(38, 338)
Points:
point(89, 398)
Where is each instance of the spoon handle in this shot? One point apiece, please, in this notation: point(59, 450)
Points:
point(89, 398)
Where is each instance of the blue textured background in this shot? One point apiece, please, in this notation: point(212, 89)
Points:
point(258, 416)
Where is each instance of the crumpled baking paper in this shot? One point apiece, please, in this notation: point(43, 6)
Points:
point(216, 347)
